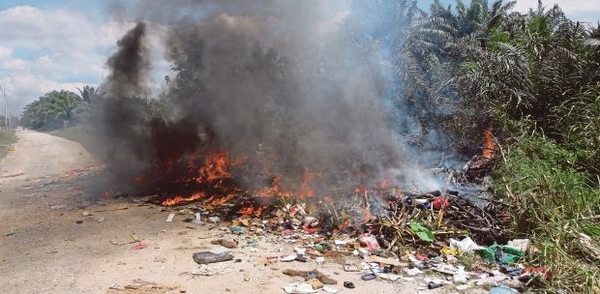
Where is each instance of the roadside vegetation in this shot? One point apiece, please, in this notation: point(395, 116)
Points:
point(534, 78)
point(7, 138)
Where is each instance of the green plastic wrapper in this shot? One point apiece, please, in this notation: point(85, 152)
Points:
point(502, 254)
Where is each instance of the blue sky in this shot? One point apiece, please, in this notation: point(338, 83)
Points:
point(63, 44)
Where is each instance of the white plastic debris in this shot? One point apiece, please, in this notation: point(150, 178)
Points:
point(170, 217)
point(445, 268)
point(299, 288)
point(363, 252)
point(389, 277)
point(340, 242)
point(350, 267)
point(320, 260)
point(493, 280)
point(289, 258)
point(466, 245)
point(198, 218)
point(300, 250)
point(414, 260)
point(463, 287)
point(521, 244)
point(412, 271)
point(330, 289)
point(460, 277)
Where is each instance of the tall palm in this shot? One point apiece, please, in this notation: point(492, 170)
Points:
point(88, 93)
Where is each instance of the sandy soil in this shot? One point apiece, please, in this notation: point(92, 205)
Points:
point(49, 243)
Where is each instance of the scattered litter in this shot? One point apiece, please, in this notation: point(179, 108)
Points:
point(211, 270)
point(440, 203)
point(227, 243)
point(390, 261)
point(349, 285)
point(491, 280)
point(435, 283)
point(300, 250)
point(368, 277)
point(463, 287)
point(309, 275)
point(330, 289)
point(214, 219)
point(8, 234)
point(370, 242)
point(590, 247)
point(502, 254)
point(299, 288)
point(511, 271)
point(138, 246)
point(197, 219)
point(520, 244)
point(315, 283)
point(460, 277)
point(533, 271)
point(237, 230)
point(289, 258)
point(466, 245)
point(206, 257)
point(389, 277)
point(349, 267)
point(170, 217)
point(448, 251)
point(340, 242)
point(412, 271)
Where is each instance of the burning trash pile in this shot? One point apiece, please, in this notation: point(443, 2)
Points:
point(272, 130)
point(380, 233)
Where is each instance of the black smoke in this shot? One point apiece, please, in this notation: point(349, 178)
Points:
point(280, 84)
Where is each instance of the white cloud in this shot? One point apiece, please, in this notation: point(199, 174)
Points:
point(5, 52)
point(579, 10)
point(44, 50)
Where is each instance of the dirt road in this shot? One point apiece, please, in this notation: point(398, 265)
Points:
point(60, 236)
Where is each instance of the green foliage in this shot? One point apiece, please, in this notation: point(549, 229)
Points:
point(421, 231)
point(534, 73)
point(552, 204)
point(51, 110)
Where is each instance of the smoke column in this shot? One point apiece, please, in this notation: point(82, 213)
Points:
point(288, 82)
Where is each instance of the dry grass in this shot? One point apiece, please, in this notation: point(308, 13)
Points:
point(7, 138)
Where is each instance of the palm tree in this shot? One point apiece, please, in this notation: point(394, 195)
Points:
point(88, 93)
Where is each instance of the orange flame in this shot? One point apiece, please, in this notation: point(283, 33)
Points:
point(216, 166)
point(177, 200)
point(218, 201)
point(306, 190)
point(489, 145)
point(252, 210)
point(273, 191)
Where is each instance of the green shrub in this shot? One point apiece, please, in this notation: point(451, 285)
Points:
point(552, 203)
